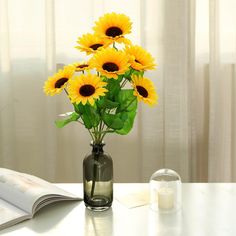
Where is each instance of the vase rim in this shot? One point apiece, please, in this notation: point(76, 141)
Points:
point(92, 143)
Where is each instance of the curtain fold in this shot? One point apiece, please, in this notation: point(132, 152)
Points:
point(233, 122)
point(150, 121)
point(50, 146)
point(191, 92)
point(221, 99)
point(6, 91)
point(176, 115)
point(214, 84)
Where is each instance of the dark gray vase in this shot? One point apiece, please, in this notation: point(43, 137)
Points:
point(98, 179)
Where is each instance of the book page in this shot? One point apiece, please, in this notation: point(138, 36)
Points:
point(9, 214)
point(23, 190)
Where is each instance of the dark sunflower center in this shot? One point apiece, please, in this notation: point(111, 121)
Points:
point(142, 91)
point(87, 90)
point(96, 46)
point(82, 66)
point(113, 31)
point(110, 67)
point(60, 82)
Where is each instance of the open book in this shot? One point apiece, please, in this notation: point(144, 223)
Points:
point(21, 195)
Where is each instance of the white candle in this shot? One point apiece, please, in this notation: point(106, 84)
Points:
point(165, 198)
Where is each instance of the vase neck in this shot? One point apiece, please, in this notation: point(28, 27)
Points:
point(97, 147)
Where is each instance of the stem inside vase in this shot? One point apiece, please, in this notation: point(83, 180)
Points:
point(96, 156)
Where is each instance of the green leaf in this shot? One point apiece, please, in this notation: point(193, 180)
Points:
point(127, 101)
point(119, 79)
point(100, 102)
point(113, 87)
point(113, 121)
point(89, 115)
point(137, 72)
point(128, 124)
point(124, 116)
point(110, 104)
point(128, 73)
point(76, 108)
point(61, 123)
point(126, 110)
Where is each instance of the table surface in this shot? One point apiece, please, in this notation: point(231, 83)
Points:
point(207, 209)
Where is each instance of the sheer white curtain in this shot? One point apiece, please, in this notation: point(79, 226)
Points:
point(192, 130)
point(215, 90)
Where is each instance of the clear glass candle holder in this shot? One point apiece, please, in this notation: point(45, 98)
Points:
point(165, 191)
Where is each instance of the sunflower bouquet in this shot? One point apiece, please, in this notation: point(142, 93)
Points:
point(105, 90)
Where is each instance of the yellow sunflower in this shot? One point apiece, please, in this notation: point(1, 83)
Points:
point(113, 26)
point(55, 84)
point(90, 43)
point(144, 89)
point(110, 62)
point(86, 88)
point(140, 59)
point(81, 66)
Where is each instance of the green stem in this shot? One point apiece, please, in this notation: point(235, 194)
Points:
point(105, 132)
point(114, 46)
point(99, 131)
point(95, 134)
point(123, 83)
point(66, 91)
point(91, 135)
point(80, 122)
point(94, 175)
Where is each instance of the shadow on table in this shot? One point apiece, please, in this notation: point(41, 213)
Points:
point(99, 223)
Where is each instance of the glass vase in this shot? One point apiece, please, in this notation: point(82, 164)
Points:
point(98, 179)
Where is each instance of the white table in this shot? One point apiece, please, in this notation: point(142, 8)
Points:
point(208, 209)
